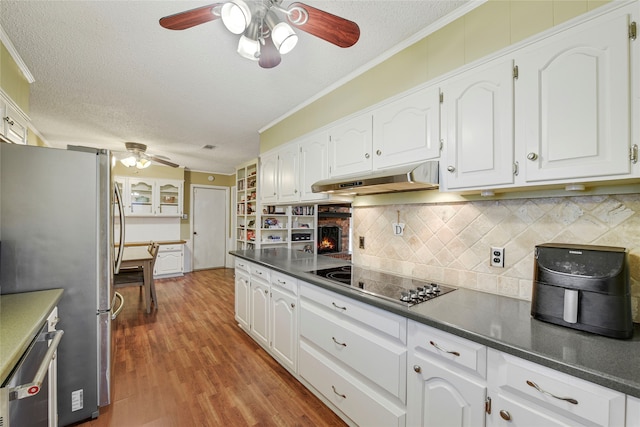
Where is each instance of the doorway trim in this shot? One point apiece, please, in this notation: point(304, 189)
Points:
point(226, 220)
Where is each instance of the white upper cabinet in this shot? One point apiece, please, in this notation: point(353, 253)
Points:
point(151, 197)
point(269, 178)
point(314, 167)
point(573, 102)
point(350, 146)
point(407, 130)
point(478, 124)
point(287, 176)
point(13, 127)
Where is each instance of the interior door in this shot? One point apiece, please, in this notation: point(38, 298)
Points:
point(210, 222)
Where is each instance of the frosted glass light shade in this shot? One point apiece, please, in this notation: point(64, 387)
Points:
point(248, 48)
point(143, 163)
point(236, 16)
point(284, 38)
point(129, 161)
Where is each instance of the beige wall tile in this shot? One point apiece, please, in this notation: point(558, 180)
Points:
point(529, 17)
point(487, 29)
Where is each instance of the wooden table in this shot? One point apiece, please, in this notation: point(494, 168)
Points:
point(139, 256)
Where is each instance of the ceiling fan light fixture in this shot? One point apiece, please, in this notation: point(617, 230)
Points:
point(143, 163)
point(236, 16)
point(129, 161)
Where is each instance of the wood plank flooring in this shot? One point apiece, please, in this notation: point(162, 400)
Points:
point(189, 364)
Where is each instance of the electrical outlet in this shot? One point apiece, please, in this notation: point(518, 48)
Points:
point(497, 257)
point(361, 242)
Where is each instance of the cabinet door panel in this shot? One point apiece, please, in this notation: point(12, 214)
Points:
point(572, 103)
point(479, 127)
point(407, 130)
point(288, 174)
point(350, 146)
point(269, 178)
point(260, 312)
point(284, 330)
point(314, 166)
point(242, 299)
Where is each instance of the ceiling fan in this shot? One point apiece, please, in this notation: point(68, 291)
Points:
point(264, 36)
point(139, 158)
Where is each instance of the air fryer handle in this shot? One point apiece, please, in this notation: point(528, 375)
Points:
point(570, 314)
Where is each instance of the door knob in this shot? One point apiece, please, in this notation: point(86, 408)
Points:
point(194, 233)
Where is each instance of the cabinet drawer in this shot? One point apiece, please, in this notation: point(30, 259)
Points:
point(459, 351)
point(388, 323)
point(243, 265)
point(283, 281)
point(260, 272)
point(379, 359)
point(170, 248)
point(354, 398)
point(595, 403)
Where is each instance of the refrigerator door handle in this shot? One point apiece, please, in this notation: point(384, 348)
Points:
point(121, 298)
point(122, 226)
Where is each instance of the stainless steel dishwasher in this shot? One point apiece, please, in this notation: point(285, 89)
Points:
point(28, 397)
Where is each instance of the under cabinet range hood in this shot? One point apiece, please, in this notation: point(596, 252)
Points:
point(422, 176)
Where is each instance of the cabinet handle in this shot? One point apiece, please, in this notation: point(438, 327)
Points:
point(417, 368)
point(337, 306)
point(366, 156)
point(293, 305)
point(338, 342)
point(8, 120)
point(568, 399)
point(336, 392)
point(266, 292)
point(451, 169)
point(379, 152)
point(532, 156)
point(505, 415)
point(455, 353)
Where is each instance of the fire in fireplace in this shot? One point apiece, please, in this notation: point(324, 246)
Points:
point(329, 239)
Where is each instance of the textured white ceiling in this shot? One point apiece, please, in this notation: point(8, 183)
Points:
point(106, 72)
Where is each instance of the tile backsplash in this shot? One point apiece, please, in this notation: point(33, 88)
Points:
point(450, 242)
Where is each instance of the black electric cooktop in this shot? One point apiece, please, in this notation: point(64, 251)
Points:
point(402, 290)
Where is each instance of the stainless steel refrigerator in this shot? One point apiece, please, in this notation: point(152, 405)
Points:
point(56, 231)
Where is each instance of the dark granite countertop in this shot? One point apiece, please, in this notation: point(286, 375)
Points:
point(496, 321)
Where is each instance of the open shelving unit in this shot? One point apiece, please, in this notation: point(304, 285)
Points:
point(292, 227)
point(247, 208)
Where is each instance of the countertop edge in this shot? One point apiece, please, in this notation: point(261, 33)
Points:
point(606, 379)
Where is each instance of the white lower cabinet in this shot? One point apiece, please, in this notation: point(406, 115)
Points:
point(169, 261)
point(242, 298)
point(353, 355)
point(527, 394)
point(283, 341)
point(446, 379)
point(259, 305)
point(633, 411)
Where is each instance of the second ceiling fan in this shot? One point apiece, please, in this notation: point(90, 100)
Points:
point(264, 36)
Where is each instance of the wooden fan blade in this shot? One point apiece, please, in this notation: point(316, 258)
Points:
point(190, 18)
point(269, 55)
point(161, 160)
point(332, 28)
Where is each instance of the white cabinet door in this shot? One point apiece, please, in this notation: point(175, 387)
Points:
point(314, 167)
point(407, 130)
point(284, 328)
point(287, 176)
point(478, 105)
point(572, 102)
point(169, 261)
point(141, 197)
point(243, 299)
point(350, 146)
point(439, 396)
point(169, 198)
point(509, 412)
point(269, 178)
point(260, 312)
point(12, 126)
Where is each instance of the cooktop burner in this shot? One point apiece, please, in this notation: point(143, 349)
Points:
point(399, 289)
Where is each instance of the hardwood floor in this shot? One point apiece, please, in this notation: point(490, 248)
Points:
point(189, 364)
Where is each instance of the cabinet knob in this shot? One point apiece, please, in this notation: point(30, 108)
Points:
point(293, 305)
point(505, 415)
point(266, 292)
point(366, 156)
point(379, 152)
point(532, 156)
point(451, 168)
point(417, 368)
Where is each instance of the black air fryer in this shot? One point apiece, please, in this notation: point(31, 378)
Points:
point(583, 287)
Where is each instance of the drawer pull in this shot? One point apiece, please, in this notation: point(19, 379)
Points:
point(455, 353)
point(568, 399)
point(282, 282)
point(505, 415)
point(338, 342)
point(337, 306)
point(336, 392)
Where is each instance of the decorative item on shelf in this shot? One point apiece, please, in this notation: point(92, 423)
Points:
point(300, 236)
point(168, 199)
point(271, 239)
point(304, 226)
point(271, 223)
point(251, 235)
point(307, 249)
point(251, 182)
point(251, 223)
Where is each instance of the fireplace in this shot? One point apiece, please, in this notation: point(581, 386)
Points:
point(329, 239)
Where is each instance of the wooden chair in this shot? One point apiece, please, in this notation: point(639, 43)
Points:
point(134, 276)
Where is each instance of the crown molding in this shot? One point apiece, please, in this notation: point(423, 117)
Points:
point(4, 38)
